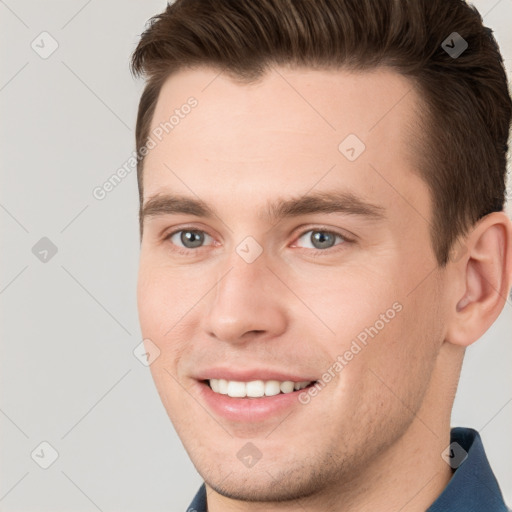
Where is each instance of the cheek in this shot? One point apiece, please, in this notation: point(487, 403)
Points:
point(360, 306)
point(150, 305)
point(397, 364)
point(163, 298)
point(157, 302)
point(387, 337)
point(165, 302)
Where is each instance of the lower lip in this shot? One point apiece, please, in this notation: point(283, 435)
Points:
point(249, 409)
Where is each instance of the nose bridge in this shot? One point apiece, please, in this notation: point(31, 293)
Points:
point(248, 274)
point(246, 282)
point(246, 297)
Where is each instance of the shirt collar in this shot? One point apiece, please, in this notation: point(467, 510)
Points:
point(472, 488)
point(199, 502)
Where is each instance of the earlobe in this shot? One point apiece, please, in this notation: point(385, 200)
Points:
point(485, 276)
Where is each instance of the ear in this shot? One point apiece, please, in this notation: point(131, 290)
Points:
point(482, 277)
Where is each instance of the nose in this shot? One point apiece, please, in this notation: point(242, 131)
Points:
point(248, 301)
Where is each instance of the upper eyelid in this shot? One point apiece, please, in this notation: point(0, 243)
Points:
point(322, 230)
point(296, 237)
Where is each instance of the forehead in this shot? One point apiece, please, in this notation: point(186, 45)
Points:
point(373, 104)
point(292, 130)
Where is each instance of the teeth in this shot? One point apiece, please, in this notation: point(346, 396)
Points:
point(236, 389)
point(286, 387)
point(255, 388)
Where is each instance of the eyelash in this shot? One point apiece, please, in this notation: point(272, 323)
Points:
point(313, 252)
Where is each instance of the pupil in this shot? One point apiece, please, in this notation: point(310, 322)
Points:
point(321, 237)
point(194, 238)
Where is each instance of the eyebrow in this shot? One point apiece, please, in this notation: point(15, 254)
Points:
point(318, 202)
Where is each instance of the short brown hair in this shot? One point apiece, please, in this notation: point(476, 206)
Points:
point(467, 107)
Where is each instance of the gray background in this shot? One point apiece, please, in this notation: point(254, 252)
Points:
point(69, 325)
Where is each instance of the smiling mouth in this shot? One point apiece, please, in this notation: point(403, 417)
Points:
point(256, 388)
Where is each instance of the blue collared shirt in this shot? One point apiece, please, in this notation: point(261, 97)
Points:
point(472, 488)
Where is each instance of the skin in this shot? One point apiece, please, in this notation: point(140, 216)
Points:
point(372, 439)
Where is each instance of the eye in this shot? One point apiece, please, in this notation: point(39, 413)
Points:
point(322, 239)
point(189, 238)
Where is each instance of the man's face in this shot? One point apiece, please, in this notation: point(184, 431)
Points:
point(290, 294)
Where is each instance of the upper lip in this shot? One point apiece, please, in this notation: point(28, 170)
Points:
point(251, 374)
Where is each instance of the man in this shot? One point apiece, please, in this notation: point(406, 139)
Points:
point(322, 185)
